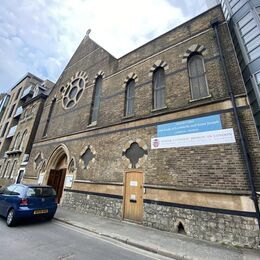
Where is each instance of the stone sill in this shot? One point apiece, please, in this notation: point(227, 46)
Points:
point(159, 109)
point(92, 124)
point(198, 99)
point(128, 117)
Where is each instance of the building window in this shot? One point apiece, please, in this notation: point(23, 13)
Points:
point(197, 76)
point(12, 171)
point(20, 176)
point(11, 111)
point(129, 98)
point(95, 100)
point(6, 170)
point(17, 142)
point(225, 9)
point(236, 4)
point(18, 93)
point(258, 10)
point(73, 91)
point(22, 143)
point(159, 88)
point(257, 78)
point(87, 157)
point(250, 35)
point(4, 130)
point(49, 117)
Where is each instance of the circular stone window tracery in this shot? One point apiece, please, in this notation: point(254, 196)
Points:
point(73, 91)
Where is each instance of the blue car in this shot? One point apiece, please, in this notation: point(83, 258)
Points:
point(20, 201)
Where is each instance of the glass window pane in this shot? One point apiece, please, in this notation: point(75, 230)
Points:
point(195, 88)
point(202, 86)
point(257, 76)
point(226, 14)
point(255, 53)
point(233, 2)
point(158, 88)
point(245, 20)
point(238, 6)
point(253, 44)
point(224, 8)
point(96, 100)
point(129, 99)
point(248, 27)
point(197, 77)
point(249, 36)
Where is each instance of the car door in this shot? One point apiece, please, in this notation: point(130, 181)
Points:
point(7, 199)
point(1, 200)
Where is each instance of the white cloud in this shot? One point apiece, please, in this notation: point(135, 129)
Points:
point(40, 36)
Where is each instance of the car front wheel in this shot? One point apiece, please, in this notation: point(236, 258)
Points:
point(10, 220)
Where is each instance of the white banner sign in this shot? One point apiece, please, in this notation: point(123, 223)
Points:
point(68, 181)
point(223, 136)
point(41, 178)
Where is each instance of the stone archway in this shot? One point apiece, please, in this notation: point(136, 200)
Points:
point(57, 168)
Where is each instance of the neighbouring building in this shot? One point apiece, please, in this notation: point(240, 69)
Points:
point(243, 18)
point(19, 124)
point(163, 136)
point(4, 98)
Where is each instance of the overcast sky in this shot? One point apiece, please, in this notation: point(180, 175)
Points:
point(40, 36)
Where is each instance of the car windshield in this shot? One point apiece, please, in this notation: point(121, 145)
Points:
point(41, 192)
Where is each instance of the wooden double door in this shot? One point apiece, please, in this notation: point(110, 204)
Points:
point(133, 196)
point(56, 180)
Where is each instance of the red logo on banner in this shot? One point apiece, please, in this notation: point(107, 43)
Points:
point(155, 143)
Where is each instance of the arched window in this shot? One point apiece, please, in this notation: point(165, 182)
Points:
point(22, 143)
point(159, 88)
point(46, 127)
point(95, 100)
point(16, 142)
point(6, 170)
point(12, 171)
point(197, 76)
point(129, 98)
point(25, 113)
point(33, 109)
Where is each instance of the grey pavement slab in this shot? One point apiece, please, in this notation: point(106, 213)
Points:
point(164, 243)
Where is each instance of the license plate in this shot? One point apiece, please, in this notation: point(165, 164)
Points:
point(40, 211)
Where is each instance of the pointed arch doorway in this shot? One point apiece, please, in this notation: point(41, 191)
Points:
point(57, 168)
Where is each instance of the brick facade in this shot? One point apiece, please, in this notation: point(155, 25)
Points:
point(209, 178)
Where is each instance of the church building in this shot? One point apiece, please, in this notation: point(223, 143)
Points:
point(163, 136)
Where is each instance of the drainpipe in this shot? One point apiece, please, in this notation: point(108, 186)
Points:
point(242, 137)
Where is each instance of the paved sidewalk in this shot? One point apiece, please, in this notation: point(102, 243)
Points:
point(164, 243)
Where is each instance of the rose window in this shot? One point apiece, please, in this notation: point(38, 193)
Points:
point(73, 91)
